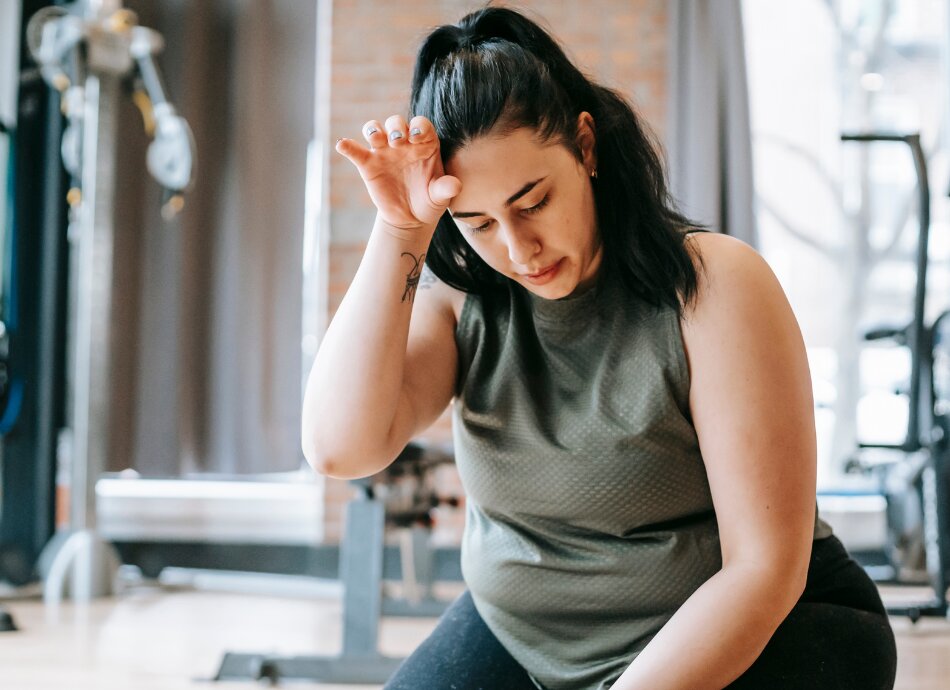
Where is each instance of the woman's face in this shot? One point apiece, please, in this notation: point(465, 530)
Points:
point(527, 206)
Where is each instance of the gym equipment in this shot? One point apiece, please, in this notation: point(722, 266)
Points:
point(401, 496)
point(86, 51)
point(67, 45)
point(914, 478)
point(6, 620)
point(31, 227)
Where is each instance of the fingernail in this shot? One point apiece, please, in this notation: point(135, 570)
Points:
point(372, 130)
point(414, 131)
point(395, 134)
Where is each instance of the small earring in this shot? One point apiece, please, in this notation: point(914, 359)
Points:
point(593, 173)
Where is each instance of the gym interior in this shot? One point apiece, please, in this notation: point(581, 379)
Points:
point(178, 232)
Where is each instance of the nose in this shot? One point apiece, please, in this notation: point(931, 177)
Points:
point(522, 245)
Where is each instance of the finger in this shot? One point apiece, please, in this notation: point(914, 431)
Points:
point(444, 189)
point(420, 130)
point(352, 151)
point(374, 134)
point(396, 130)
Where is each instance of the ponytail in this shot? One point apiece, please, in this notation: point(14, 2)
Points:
point(497, 71)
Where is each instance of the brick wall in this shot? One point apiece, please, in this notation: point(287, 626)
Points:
point(621, 43)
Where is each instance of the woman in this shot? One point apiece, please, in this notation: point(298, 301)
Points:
point(633, 415)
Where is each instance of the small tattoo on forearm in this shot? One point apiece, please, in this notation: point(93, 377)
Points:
point(412, 278)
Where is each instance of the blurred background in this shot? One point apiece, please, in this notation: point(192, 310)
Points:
point(176, 232)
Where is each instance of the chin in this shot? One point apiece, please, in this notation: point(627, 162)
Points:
point(554, 290)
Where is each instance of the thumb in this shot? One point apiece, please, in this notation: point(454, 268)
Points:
point(444, 189)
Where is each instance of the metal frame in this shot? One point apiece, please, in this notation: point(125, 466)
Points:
point(402, 495)
point(85, 50)
point(81, 553)
point(321, 562)
point(926, 440)
point(362, 574)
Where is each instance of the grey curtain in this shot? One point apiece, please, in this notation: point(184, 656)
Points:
point(207, 309)
point(709, 140)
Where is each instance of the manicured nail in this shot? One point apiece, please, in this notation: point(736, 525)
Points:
point(415, 131)
point(371, 131)
point(395, 134)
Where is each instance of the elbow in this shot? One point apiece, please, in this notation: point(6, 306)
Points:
point(777, 566)
point(793, 571)
point(328, 468)
point(340, 465)
point(780, 586)
point(315, 451)
point(326, 465)
point(792, 585)
point(788, 590)
point(321, 462)
point(309, 447)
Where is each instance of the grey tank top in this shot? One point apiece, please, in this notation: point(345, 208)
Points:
point(589, 519)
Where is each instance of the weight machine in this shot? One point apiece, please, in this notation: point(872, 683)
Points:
point(400, 497)
point(915, 478)
point(88, 52)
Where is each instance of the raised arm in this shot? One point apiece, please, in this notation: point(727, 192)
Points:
point(361, 403)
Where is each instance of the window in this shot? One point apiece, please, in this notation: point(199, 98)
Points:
point(838, 221)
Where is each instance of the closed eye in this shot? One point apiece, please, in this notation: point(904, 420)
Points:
point(530, 210)
point(538, 206)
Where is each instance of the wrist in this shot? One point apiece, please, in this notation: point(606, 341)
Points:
point(417, 235)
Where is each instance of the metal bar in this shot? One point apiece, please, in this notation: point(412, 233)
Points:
point(921, 348)
point(91, 363)
point(321, 561)
point(93, 286)
point(373, 670)
point(361, 570)
point(917, 344)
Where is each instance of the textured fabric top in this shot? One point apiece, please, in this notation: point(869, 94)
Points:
point(589, 519)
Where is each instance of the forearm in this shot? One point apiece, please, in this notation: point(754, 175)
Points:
point(716, 635)
point(356, 378)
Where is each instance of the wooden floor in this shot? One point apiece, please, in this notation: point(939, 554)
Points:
point(160, 639)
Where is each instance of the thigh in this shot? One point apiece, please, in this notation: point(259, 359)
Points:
point(837, 637)
point(836, 578)
point(825, 647)
point(460, 654)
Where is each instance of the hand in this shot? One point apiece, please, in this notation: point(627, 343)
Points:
point(402, 171)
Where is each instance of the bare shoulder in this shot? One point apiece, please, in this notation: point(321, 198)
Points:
point(740, 311)
point(440, 296)
point(729, 272)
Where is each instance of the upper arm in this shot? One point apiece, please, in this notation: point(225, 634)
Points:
point(751, 403)
point(431, 362)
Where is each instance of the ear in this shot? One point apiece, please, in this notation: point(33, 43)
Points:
point(586, 140)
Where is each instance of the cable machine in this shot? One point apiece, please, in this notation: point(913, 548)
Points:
point(88, 51)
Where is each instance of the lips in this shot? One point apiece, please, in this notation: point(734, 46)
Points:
point(545, 270)
point(546, 276)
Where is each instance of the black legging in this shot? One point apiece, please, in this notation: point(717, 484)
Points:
point(837, 637)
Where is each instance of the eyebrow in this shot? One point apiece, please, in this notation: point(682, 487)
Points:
point(512, 199)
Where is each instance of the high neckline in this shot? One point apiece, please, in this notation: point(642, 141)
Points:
point(571, 311)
